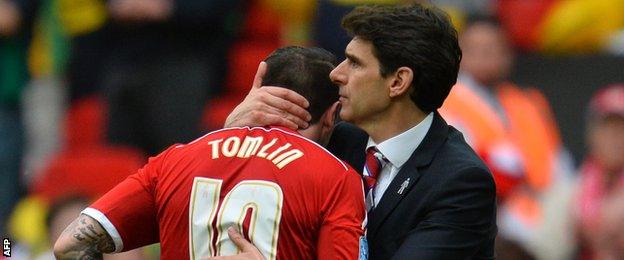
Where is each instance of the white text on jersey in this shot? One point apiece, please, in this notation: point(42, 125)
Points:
point(254, 146)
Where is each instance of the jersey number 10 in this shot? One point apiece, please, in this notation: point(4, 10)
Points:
point(265, 200)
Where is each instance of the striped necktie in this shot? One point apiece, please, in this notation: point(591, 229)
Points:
point(372, 168)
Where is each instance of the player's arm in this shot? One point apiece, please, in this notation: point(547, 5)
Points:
point(110, 224)
point(84, 238)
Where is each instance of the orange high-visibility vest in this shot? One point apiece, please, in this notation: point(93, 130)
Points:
point(530, 127)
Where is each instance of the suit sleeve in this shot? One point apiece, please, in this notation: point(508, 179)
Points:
point(344, 213)
point(462, 216)
point(348, 143)
point(128, 212)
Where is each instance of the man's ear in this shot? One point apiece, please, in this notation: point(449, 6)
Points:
point(402, 81)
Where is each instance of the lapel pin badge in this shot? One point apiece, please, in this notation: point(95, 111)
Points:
point(403, 186)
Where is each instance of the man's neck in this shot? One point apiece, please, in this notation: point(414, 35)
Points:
point(399, 117)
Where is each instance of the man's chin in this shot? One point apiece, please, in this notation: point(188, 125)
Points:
point(345, 115)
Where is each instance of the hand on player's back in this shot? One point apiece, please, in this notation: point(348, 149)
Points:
point(248, 250)
point(267, 105)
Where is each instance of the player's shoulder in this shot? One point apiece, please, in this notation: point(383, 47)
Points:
point(318, 155)
point(272, 138)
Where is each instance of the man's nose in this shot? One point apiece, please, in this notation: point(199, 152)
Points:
point(337, 76)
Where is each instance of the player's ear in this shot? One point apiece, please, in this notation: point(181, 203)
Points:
point(327, 122)
point(330, 116)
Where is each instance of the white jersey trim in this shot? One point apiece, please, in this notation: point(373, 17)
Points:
point(213, 132)
point(108, 226)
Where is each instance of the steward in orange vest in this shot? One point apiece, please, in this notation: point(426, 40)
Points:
point(515, 133)
point(513, 130)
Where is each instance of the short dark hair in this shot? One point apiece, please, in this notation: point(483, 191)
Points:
point(305, 71)
point(421, 38)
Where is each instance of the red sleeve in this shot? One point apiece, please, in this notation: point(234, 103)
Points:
point(128, 212)
point(344, 211)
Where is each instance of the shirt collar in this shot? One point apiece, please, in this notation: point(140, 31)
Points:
point(283, 128)
point(399, 148)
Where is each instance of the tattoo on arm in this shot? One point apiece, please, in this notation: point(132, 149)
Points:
point(88, 239)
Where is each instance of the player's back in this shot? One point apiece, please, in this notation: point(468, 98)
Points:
point(291, 198)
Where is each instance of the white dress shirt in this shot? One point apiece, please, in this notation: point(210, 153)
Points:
point(396, 151)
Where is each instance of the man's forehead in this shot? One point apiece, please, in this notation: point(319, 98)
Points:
point(359, 47)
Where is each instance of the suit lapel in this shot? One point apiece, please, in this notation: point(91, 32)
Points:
point(409, 174)
point(391, 198)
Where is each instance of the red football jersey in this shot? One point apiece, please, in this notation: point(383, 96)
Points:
point(291, 197)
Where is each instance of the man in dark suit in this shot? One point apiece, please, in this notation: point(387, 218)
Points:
point(429, 195)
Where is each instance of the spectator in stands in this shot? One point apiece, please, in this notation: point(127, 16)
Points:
point(611, 235)
point(43, 100)
point(486, 63)
point(15, 24)
point(510, 127)
point(61, 214)
point(599, 211)
point(326, 31)
point(164, 57)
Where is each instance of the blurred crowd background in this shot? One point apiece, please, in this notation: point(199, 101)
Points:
point(89, 89)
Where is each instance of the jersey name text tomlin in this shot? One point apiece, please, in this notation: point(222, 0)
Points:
point(255, 146)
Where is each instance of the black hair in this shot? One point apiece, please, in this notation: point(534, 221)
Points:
point(421, 38)
point(305, 71)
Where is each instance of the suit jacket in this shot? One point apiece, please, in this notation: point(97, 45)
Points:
point(447, 209)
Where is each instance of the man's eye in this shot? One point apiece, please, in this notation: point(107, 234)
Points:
point(353, 64)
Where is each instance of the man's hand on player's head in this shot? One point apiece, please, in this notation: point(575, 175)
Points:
point(267, 105)
point(248, 250)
